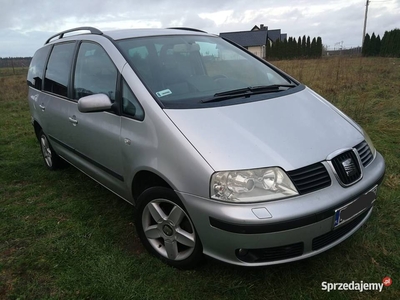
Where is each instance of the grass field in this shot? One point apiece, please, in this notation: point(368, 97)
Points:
point(65, 237)
point(12, 71)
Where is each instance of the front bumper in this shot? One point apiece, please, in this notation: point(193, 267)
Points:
point(280, 231)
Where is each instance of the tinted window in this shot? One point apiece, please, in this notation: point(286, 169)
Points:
point(95, 73)
point(58, 69)
point(130, 105)
point(182, 71)
point(36, 68)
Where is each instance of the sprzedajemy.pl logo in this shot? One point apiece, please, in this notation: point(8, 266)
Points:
point(356, 286)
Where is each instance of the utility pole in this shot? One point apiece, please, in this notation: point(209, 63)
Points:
point(365, 22)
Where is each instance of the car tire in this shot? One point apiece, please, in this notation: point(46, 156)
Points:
point(50, 157)
point(165, 228)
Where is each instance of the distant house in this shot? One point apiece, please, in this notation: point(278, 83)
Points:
point(256, 39)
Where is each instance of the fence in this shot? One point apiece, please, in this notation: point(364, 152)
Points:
point(14, 65)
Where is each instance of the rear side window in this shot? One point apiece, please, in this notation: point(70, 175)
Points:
point(36, 68)
point(95, 73)
point(58, 69)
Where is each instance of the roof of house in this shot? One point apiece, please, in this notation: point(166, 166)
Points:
point(262, 27)
point(274, 34)
point(254, 37)
point(247, 38)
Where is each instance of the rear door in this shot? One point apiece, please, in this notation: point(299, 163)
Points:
point(36, 99)
point(54, 102)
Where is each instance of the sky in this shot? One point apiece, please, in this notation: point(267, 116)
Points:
point(25, 24)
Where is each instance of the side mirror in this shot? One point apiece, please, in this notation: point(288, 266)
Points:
point(94, 103)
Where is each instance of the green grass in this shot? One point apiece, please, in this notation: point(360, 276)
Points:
point(13, 71)
point(65, 237)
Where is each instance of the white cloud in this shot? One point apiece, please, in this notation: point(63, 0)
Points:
point(25, 25)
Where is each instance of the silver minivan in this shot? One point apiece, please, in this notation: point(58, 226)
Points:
point(221, 153)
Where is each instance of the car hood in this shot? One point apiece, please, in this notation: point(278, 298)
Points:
point(290, 131)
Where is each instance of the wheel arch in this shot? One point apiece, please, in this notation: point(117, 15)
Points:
point(146, 179)
point(37, 128)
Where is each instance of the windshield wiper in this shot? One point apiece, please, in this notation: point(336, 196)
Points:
point(271, 87)
point(247, 91)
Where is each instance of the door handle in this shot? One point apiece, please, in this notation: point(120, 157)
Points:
point(42, 107)
point(73, 120)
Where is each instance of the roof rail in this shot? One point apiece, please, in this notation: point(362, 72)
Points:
point(187, 28)
point(61, 34)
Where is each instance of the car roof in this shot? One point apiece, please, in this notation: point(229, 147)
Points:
point(132, 33)
point(76, 33)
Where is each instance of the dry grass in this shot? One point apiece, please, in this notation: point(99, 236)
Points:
point(361, 87)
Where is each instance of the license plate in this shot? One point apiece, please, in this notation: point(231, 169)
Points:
point(354, 208)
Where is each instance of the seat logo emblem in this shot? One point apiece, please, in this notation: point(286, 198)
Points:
point(349, 167)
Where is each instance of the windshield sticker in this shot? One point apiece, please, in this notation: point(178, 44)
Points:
point(163, 93)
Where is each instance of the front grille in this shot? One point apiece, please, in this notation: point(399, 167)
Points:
point(271, 254)
point(332, 236)
point(310, 178)
point(347, 167)
point(365, 153)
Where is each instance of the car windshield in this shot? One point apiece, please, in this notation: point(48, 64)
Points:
point(186, 70)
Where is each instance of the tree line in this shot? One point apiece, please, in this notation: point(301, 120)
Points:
point(9, 62)
point(303, 47)
point(389, 45)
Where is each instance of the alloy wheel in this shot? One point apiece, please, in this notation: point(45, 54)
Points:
point(168, 229)
point(47, 155)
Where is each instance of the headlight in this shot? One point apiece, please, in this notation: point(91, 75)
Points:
point(370, 144)
point(251, 185)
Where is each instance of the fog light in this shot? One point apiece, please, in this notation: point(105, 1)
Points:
point(243, 252)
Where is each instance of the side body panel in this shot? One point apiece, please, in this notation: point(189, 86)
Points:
point(158, 146)
point(59, 126)
point(97, 146)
